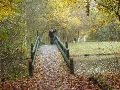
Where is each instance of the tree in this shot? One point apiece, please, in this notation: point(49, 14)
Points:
point(13, 50)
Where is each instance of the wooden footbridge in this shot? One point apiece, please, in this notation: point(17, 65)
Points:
point(51, 68)
point(63, 48)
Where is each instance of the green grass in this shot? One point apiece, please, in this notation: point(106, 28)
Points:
point(92, 64)
point(94, 48)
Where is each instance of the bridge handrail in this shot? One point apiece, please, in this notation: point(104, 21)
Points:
point(34, 48)
point(65, 53)
point(61, 44)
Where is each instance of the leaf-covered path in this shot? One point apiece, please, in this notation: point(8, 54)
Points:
point(53, 67)
point(51, 73)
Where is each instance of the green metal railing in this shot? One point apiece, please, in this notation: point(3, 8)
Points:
point(65, 53)
point(34, 48)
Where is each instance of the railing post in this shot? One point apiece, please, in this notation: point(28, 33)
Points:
point(37, 33)
point(32, 54)
point(30, 68)
point(30, 63)
point(71, 66)
point(66, 44)
point(67, 53)
point(39, 42)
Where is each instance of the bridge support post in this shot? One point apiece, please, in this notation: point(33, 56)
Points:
point(37, 33)
point(67, 53)
point(30, 68)
point(67, 50)
point(66, 44)
point(71, 66)
point(30, 61)
point(32, 56)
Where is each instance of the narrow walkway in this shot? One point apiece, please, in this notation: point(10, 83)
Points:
point(51, 73)
point(53, 67)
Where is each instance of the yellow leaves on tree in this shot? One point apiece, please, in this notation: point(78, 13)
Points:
point(93, 30)
point(102, 19)
point(112, 7)
point(75, 21)
point(22, 49)
point(61, 12)
point(3, 35)
point(66, 19)
point(5, 8)
point(70, 2)
point(8, 7)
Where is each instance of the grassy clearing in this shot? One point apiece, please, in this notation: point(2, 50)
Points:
point(102, 56)
point(94, 48)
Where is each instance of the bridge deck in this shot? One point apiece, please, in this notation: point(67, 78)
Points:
point(52, 67)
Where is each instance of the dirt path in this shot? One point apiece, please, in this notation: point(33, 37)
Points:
point(51, 73)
